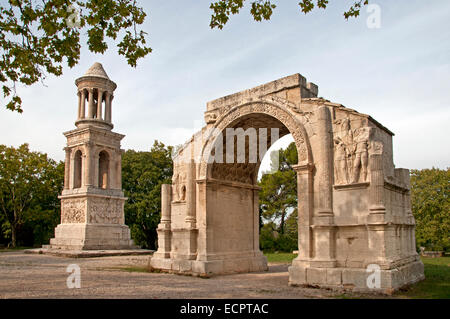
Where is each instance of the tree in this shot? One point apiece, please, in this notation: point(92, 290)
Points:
point(29, 184)
point(143, 173)
point(37, 37)
point(263, 9)
point(278, 194)
point(44, 215)
point(430, 203)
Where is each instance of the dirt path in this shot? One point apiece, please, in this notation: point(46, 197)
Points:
point(42, 276)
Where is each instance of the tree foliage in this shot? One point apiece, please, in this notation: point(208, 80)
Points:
point(430, 191)
point(263, 9)
point(29, 186)
point(38, 37)
point(278, 203)
point(143, 173)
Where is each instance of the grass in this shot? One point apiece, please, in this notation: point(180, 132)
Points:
point(133, 269)
point(280, 258)
point(6, 250)
point(435, 286)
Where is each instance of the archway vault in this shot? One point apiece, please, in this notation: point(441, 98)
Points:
point(354, 206)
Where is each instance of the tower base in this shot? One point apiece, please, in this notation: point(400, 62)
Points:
point(92, 237)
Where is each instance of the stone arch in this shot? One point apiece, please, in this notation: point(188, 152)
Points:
point(343, 226)
point(264, 107)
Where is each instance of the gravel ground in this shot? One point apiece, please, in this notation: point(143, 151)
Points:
point(42, 276)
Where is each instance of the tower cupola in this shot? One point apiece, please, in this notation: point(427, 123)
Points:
point(95, 96)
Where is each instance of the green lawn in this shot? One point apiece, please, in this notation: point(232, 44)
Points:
point(5, 250)
point(280, 258)
point(436, 284)
point(437, 281)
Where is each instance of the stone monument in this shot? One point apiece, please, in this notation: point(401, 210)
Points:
point(92, 202)
point(354, 210)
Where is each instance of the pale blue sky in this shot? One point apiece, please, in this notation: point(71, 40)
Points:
point(399, 74)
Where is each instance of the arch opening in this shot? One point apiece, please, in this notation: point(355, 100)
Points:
point(245, 143)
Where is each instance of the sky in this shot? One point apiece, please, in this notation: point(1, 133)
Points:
point(398, 73)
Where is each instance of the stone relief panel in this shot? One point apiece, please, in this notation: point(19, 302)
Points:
point(73, 211)
point(106, 211)
point(179, 186)
point(351, 152)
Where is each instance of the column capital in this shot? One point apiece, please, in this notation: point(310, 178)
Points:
point(303, 168)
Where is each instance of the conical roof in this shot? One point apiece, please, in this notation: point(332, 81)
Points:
point(97, 70)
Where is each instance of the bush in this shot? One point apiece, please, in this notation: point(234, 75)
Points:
point(271, 241)
point(430, 203)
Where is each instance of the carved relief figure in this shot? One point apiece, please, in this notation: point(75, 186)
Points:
point(340, 163)
point(179, 188)
point(350, 153)
point(361, 160)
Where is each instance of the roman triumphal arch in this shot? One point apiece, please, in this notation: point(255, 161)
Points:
point(354, 213)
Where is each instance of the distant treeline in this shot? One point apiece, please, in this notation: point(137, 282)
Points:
point(30, 183)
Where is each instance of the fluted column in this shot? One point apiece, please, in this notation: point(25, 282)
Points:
point(323, 228)
point(326, 162)
point(83, 104)
point(190, 194)
point(305, 193)
point(164, 231)
point(79, 105)
point(99, 104)
point(376, 198)
point(112, 180)
point(67, 169)
point(166, 200)
point(91, 109)
point(119, 170)
point(108, 102)
point(88, 167)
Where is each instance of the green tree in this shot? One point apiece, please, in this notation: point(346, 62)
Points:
point(143, 173)
point(29, 185)
point(430, 203)
point(278, 194)
point(38, 37)
point(41, 219)
point(263, 9)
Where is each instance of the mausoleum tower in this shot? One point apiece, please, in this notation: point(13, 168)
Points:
point(92, 202)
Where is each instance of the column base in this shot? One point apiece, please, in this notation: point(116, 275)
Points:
point(206, 268)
